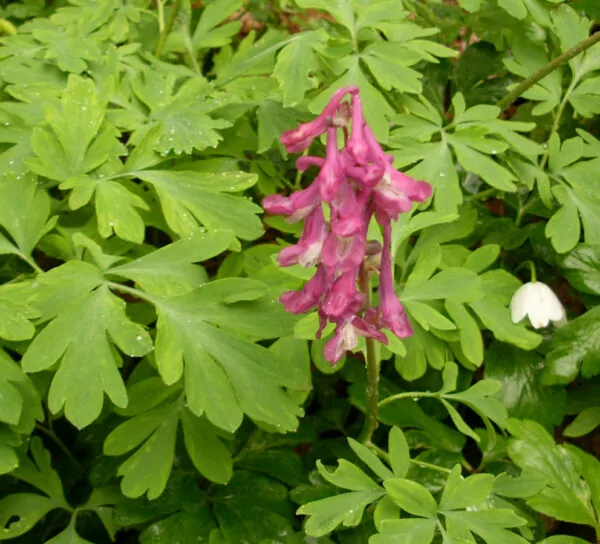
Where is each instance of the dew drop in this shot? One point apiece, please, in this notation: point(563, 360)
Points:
point(442, 174)
point(139, 337)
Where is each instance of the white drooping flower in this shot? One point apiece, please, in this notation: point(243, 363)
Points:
point(537, 301)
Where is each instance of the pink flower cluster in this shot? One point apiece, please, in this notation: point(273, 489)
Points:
point(355, 182)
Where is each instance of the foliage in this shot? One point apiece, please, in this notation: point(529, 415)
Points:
point(153, 389)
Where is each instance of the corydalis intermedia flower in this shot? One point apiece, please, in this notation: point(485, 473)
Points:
point(356, 183)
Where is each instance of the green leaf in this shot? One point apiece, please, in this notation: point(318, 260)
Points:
point(470, 337)
point(583, 268)
point(399, 452)
point(462, 492)
point(490, 525)
point(19, 512)
point(207, 452)
point(522, 391)
point(149, 468)
point(526, 485)
point(182, 116)
point(208, 33)
point(411, 497)
point(294, 62)
point(77, 142)
point(560, 539)
point(69, 536)
point(566, 496)
point(563, 228)
point(346, 509)
point(169, 271)
point(252, 508)
point(476, 162)
point(24, 211)
point(189, 198)
point(273, 120)
point(573, 346)
point(224, 373)
point(481, 398)
point(370, 459)
point(348, 476)
point(81, 332)
point(458, 284)
point(584, 423)
point(15, 313)
point(405, 531)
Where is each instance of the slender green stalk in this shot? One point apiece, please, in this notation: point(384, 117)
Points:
point(408, 395)
point(385, 456)
point(54, 437)
point(167, 29)
point(370, 423)
point(133, 292)
point(29, 260)
point(548, 69)
point(430, 466)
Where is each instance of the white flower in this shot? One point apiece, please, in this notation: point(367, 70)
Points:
point(537, 301)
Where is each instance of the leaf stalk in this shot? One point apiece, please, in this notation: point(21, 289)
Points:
point(526, 84)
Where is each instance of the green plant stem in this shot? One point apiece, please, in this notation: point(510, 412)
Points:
point(167, 29)
point(131, 291)
point(385, 456)
point(408, 395)
point(54, 437)
point(32, 263)
point(370, 423)
point(161, 16)
point(548, 69)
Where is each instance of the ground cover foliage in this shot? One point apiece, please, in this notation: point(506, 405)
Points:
point(153, 389)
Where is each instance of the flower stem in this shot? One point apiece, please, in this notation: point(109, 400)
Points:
point(370, 423)
point(548, 69)
point(167, 29)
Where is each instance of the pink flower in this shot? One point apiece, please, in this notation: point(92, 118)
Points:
point(343, 253)
point(307, 252)
point(342, 298)
point(297, 206)
point(355, 182)
point(348, 211)
point(300, 138)
point(346, 338)
point(297, 302)
point(391, 312)
point(357, 147)
point(331, 176)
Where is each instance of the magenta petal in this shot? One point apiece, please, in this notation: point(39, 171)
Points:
point(277, 204)
point(343, 298)
point(357, 146)
point(331, 176)
point(300, 138)
point(344, 253)
point(307, 252)
point(297, 302)
point(392, 313)
point(303, 163)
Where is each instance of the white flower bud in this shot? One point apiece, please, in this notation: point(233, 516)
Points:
point(537, 301)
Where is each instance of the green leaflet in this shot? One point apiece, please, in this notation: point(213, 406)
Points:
point(92, 317)
point(225, 374)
